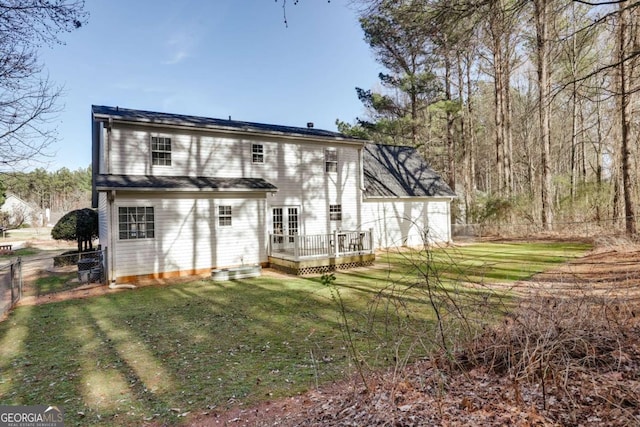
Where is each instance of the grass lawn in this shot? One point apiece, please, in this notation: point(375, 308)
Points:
point(52, 283)
point(156, 353)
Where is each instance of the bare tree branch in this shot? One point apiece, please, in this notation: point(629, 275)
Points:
point(604, 3)
point(28, 100)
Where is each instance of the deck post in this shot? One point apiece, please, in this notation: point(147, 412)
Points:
point(371, 240)
point(296, 249)
point(335, 243)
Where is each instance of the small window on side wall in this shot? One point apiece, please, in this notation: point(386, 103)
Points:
point(257, 153)
point(224, 216)
point(335, 212)
point(160, 151)
point(331, 160)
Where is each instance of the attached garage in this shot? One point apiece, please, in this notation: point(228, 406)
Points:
point(406, 203)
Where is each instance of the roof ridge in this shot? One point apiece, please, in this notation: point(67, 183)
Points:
point(146, 116)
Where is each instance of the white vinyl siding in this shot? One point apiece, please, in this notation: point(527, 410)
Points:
point(103, 220)
point(295, 167)
point(302, 181)
point(186, 236)
point(407, 222)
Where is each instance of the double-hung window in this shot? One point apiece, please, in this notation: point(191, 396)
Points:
point(335, 212)
point(136, 222)
point(330, 160)
point(160, 151)
point(224, 216)
point(257, 153)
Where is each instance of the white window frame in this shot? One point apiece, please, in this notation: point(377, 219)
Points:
point(335, 212)
point(133, 229)
point(257, 156)
point(285, 221)
point(166, 154)
point(330, 160)
point(225, 216)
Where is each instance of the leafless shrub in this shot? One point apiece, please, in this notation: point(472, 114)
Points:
point(570, 347)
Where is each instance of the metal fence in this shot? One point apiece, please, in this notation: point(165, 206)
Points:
point(10, 285)
point(50, 274)
point(574, 229)
point(46, 274)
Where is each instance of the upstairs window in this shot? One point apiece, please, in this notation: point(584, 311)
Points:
point(335, 212)
point(136, 222)
point(160, 151)
point(257, 153)
point(224, 216)
point(331, 160)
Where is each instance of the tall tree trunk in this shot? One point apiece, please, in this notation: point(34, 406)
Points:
point(464, 136)
point(574, 137)
point(542, 16)
point(508, 132)
point(472, 139)
point(625, 117)
point(451, 149)
point(499, 123)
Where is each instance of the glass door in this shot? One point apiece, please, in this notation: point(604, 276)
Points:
point(285, 223)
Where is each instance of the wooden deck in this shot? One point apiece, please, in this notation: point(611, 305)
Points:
point(321, 253)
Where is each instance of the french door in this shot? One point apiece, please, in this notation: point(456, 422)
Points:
point(285, 223)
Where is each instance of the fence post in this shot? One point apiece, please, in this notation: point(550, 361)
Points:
point(11, 280)
point(19, 262)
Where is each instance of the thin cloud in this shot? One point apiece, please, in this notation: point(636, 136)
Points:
point(180, 47)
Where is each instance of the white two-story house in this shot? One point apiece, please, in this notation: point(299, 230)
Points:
point(183, 195)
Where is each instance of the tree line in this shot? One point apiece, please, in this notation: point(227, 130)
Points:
point(60, 191)
point(528, 107)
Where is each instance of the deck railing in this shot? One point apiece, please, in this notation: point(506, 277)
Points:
point(308, 246)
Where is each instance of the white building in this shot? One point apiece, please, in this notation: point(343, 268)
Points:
point(182, 195)
point(20, 212)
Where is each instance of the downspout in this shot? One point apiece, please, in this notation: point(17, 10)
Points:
point(111, 196)
point(108, 156)
point(360, 186)
point(449, 231)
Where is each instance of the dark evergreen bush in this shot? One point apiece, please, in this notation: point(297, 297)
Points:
point(80, 225)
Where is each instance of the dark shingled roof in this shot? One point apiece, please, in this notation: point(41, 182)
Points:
point(126, 114)
point(181, 183)
point(397, 171)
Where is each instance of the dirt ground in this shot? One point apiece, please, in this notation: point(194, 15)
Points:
point(597, 295)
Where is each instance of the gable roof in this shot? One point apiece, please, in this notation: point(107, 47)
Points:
point(151, 117)
point(392, 171)
point(181, 183)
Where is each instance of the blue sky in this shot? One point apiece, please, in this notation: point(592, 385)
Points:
point(213, 58)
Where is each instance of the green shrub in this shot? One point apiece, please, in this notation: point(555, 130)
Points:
point(80, 225)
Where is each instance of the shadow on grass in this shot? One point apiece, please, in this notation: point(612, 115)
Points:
point(154, 354)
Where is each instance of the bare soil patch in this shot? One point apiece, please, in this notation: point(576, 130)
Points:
point(568, 354)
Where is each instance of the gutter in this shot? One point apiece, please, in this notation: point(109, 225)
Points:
point(185, 190)
point(408, 198)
